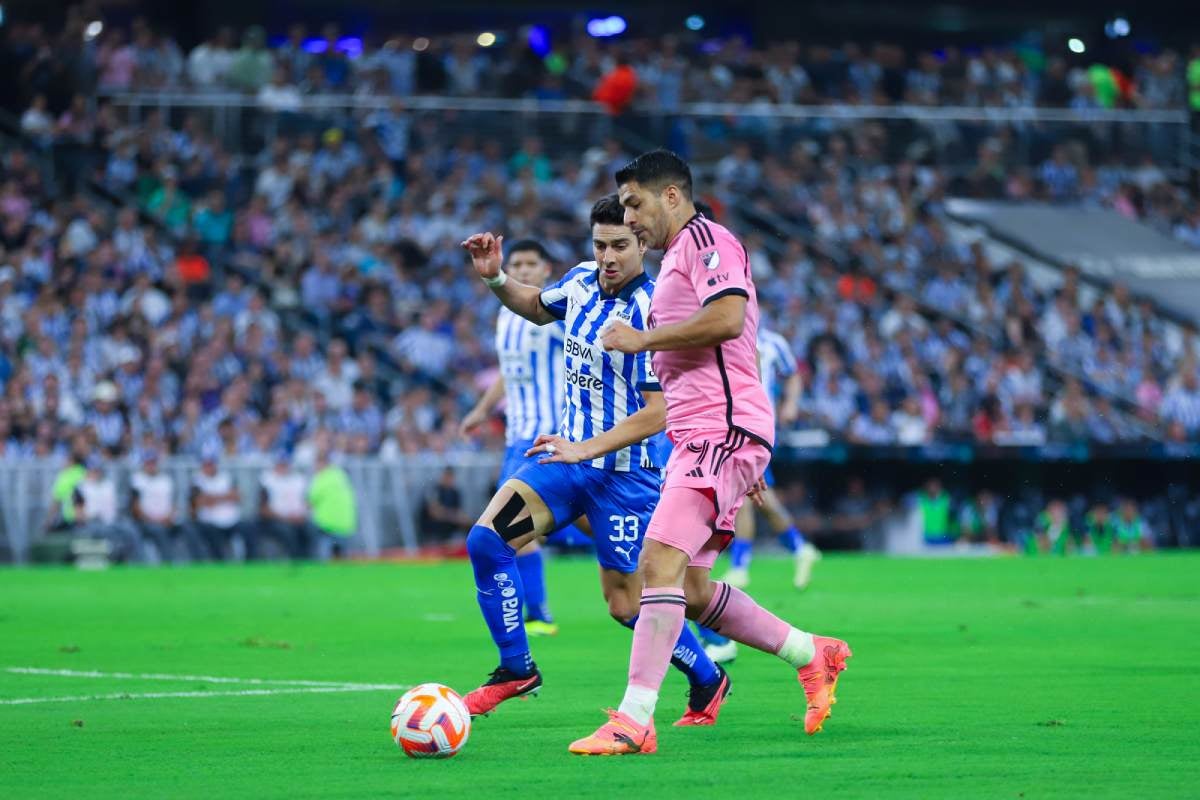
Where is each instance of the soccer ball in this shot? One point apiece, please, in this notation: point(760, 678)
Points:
point(430, 721)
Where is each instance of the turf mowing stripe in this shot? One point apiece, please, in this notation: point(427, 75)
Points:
point(21, 701)
point(155, 676)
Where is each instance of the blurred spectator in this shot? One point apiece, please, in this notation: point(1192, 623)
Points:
point(441, 512)
point(216, 513)
point(1131, 534)
point(151, 507)
point(979, 519)
point(283, 507)
point(1052, 531)
point(334, 509)
point(934, 508)
point(617, 88)
point(98, 516)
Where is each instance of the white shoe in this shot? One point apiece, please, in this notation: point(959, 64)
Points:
point(721, 653)
point(806, 556)
point(737, 577)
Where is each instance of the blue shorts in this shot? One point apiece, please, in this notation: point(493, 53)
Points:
point(617, 504)
point(514, 459)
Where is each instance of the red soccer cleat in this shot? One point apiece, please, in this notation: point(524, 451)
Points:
point(704, 702)
point(620, 736)
point(819, 678)
point(504, 684)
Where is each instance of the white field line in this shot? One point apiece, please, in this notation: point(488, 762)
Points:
point(157, 676)
point(20, 701)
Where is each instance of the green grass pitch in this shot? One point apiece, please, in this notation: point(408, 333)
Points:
point(1039, 678)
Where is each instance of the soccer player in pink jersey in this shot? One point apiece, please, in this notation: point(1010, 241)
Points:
point(703, 330)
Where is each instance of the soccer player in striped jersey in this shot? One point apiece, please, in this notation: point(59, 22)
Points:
point(531, 385)
point(702, 330)
point(775, 361)
point(601, 464)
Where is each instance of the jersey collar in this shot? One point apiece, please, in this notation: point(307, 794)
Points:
point(691, 219)
point(627, 290)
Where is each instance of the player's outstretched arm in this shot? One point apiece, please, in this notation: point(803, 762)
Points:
point(649, 420)
point(789, 407)
point(719, 321)
point(488, 259)
point(483, 409)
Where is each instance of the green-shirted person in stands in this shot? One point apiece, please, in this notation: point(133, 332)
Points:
point(62, 509)
point(1052, 531)
point(1131, 534)
point(1193, 81)
point(334, 513)
point(1099, 529)
point(937, 519)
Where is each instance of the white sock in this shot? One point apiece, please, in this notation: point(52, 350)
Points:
point(639, 703)
point(798, 648)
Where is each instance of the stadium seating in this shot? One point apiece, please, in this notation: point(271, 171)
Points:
point(175, 276)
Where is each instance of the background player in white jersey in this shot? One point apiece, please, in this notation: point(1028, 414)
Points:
point(531, 384)
point(775, 361)
point(602, 466)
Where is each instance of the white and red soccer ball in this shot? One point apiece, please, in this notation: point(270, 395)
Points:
point(430, 721)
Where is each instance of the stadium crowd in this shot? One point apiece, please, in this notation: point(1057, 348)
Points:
point(659, 71)
point(162, 323)
point(164, 292)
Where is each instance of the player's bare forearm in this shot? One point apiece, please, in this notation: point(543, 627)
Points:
point(524, 301)
point(491, 398)
point(792, 390)
point(717, 322)
point(649, 420)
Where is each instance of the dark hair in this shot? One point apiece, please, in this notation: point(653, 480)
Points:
point(657, 169)
point(608, 211)
point(705, 210)
point(530, 245)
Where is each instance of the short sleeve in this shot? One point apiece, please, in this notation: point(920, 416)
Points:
point(718, 266)
point(785, 358)
point(647, 381)
point(555, 296)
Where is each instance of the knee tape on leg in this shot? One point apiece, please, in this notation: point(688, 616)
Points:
point(503, 521)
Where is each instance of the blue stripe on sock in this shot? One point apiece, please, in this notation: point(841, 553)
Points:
point(501, 596)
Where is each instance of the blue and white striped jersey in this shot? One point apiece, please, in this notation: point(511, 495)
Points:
point(531, 364)
point(603, 388)
point(775, 360)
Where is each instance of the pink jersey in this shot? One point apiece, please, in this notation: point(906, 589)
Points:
point(711, 388)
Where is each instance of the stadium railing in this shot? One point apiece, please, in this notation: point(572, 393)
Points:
point(704, 130)
point(388, 493)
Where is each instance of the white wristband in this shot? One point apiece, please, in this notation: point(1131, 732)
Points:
point(498, 281)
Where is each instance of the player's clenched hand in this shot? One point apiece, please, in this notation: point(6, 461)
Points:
point(756, 492)
point(486, 253)
point(556, 449)
point(619, 336)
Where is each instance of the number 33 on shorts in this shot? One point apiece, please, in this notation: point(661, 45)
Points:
point(625, 529)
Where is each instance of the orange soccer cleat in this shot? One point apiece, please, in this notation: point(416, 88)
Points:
point(620, 736)
point(704, 702)
point(819, 678)
point(503, 684)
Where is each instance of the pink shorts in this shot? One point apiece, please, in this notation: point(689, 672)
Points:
point(724, 464)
